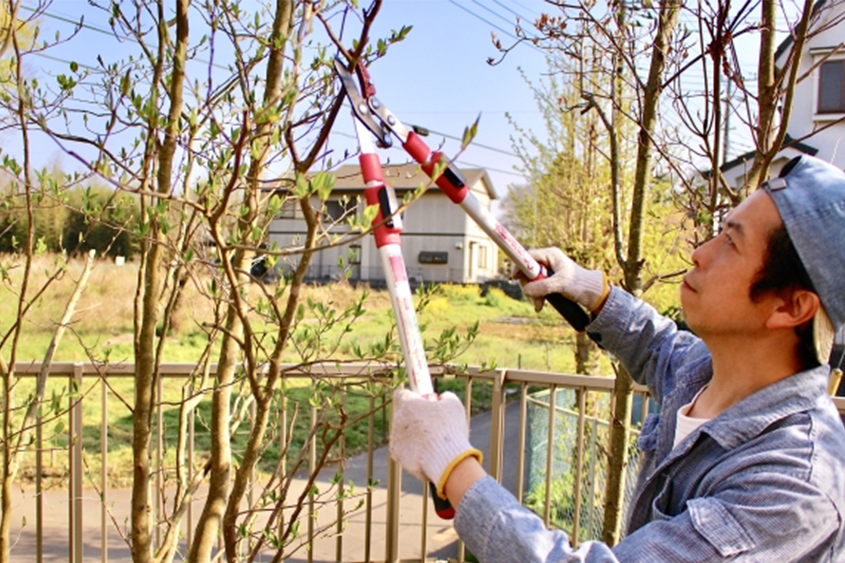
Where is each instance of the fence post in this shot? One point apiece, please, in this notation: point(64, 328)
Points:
point(550, 453)
point(39, 489)
point(104, 468)
point(497, 425)
point(75, 464)
point(579, 467)
point(520, 460)
point(394, 491)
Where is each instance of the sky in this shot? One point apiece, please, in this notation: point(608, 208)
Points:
point(437, 78)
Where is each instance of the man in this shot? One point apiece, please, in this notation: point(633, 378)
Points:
point(746, 459)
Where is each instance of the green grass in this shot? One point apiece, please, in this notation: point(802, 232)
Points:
point(509, 335)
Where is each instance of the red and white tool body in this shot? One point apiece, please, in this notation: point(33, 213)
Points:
point(383, 123)
point(387, 229)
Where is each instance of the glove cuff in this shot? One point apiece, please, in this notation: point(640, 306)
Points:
point(442, 458)
point(593, 288)
point(444, 477)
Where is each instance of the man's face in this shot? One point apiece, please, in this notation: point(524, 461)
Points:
point(716, 293)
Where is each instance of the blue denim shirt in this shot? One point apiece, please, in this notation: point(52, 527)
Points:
point(762, 482)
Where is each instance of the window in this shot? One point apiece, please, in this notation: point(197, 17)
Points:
point(338, 210)
point(433, 257)
point(832, 87)
point(354, 254)
point(482, 257)
point(288, 210)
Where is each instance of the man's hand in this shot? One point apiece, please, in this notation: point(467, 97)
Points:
point(430, 437)
point(585, 287)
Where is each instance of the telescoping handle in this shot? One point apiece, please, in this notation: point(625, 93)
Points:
point(451, 182)
point(388, 226)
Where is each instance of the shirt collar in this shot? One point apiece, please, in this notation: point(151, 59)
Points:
point(749, 417)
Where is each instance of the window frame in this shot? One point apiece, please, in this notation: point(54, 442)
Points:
point(840, 109)
point(481, 257)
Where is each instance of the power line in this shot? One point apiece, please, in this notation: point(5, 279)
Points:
point(517, 14)
point(491, 24)
point(523, 6)
point(461, 161)
point(104, 31)
point(78, 22)
point(473, 144)
point(499, 170)
point(494, 12)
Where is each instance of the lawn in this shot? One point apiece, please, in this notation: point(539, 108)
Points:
point(510, 334)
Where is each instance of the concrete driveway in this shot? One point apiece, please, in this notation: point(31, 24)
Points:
point(440, 538)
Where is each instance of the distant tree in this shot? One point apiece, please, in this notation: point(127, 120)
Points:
point(101, 219)
point(631, 64)
point(213, 104)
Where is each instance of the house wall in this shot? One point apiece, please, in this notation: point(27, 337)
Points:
point(431, 224)
point(828, 139)
point(806, 124)
point(805, 119)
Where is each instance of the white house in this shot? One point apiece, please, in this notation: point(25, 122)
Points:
point(817, 124)
point(440, 242)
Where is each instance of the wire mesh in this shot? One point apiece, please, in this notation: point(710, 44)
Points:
point(566, 470)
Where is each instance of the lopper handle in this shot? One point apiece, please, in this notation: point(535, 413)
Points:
point(442, 507)
point(570, 311)
point(454, 186)
point(387, 235)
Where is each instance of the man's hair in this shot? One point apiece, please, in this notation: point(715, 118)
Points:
point(782, 273)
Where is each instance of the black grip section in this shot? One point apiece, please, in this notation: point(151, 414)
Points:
point(571, 311)
point(455, 176)
point(442, 506)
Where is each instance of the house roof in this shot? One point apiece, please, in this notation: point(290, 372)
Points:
point(786, 44)
point(788, 143)
point(407, 176)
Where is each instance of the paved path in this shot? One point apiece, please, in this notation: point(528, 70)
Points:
point(440, 536)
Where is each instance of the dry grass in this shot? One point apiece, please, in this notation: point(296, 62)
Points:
point(104, 315)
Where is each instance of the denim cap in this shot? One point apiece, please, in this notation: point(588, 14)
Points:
point(810, 197)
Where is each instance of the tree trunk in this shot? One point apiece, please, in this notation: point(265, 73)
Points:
point(209, 523)
point(153, 278)
point(621, 434)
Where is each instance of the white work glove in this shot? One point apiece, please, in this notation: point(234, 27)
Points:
point(429, 437)
point(585, 287)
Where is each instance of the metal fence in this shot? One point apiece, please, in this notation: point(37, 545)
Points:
point(72, 511)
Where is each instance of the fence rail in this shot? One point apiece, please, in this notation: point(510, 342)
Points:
point(563, 484)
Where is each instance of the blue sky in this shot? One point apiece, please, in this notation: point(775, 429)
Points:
point(438, 77)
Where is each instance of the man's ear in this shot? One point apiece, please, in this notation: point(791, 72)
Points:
point(796, 308)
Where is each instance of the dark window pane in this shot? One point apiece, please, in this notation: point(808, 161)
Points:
point(832, 87)
point(429, 257)
point(288, 210)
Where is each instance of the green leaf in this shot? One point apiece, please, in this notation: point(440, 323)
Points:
point(323, 184)
point(469, 133)
point(370, 213)
point(300, 190)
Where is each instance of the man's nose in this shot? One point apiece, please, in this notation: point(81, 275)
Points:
point(701, 251)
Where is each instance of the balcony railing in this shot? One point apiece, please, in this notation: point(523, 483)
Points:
point(75, 514)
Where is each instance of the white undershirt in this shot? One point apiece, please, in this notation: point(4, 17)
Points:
point(685, 425)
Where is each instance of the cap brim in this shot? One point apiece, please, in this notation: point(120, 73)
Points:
point(823, 334)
